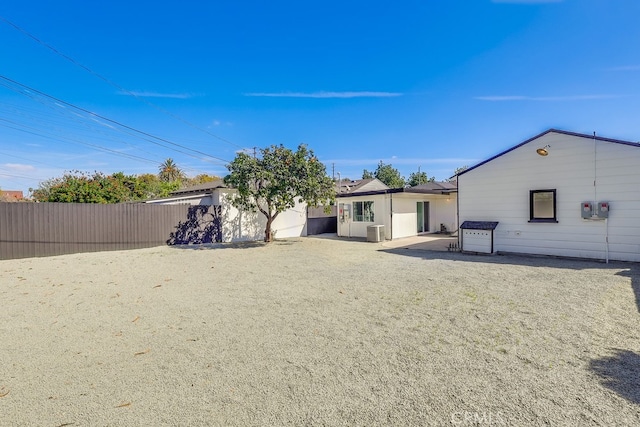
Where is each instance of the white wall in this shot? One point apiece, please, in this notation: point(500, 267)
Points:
point(442, 209)
point(405, 217)
point(499, 191)
point(249, 226)
point(246, 226)
point(351, 228)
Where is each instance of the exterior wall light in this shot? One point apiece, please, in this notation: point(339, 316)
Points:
point(544, 151)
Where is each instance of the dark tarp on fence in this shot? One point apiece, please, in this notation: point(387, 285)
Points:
point(320, 222)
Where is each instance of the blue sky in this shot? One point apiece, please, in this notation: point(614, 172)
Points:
point(432, 84)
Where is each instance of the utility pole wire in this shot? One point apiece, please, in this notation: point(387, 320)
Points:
point(110, 120)
point(114, 84)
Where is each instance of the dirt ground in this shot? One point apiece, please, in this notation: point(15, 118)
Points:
point(317, 331)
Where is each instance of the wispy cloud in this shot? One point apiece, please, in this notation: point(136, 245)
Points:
point(217, 123)
point(526, 1)
point(545, 98)
point(625, 68)
point(18, 167)
point(364, 94)
point(145, 94)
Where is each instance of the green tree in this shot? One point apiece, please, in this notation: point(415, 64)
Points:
point(454, 178)
point(272, 182)
point(387, 174)
point(81, 187)
point(149, 186)
point(168, 171)
point(417, 178)
point(202, 179)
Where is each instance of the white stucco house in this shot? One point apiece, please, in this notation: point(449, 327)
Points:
point(560, 194)
point(402, 212)
point(239, 225)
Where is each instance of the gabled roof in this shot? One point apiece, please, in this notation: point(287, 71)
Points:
point(360, 185)
point(563, 132)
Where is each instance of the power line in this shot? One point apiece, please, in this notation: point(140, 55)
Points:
point(108, 150)
point(17, 176)
point(113, 121)
point(29, 160)
point(114, 84)
point(35, 132)
point(51, 135)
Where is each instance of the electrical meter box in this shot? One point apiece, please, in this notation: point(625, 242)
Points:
point(586, 210)
point(603, 209)
point(344, 212)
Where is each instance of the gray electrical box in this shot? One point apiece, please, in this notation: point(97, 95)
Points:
point(344, 212)
point(603, 209)
point(586, 208)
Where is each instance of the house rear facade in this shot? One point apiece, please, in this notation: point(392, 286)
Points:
point(560, 194)
point(402, 212)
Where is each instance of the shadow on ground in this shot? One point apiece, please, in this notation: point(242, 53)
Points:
point(620, 373)
point(232, 245)
point(634, 275)
point(627, 269)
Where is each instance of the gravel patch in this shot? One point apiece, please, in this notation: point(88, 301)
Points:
point(317, 332)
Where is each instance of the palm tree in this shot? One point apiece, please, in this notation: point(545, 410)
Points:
point(169, 171)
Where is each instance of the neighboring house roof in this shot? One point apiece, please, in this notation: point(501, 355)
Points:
point(11, 195)
point(563, 132)
point(361, 185)
point(428, 188)
point(200, 188)
point(433, 187)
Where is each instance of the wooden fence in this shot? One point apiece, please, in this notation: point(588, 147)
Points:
point(45, 229)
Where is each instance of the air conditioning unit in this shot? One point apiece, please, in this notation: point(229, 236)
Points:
point(375, 233)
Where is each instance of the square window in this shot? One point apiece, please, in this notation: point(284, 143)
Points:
point(542, 206)
point(363, 211)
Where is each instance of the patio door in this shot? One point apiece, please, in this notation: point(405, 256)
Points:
point(422, 209)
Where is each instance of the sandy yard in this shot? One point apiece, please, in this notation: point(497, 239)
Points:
point(317, 332)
